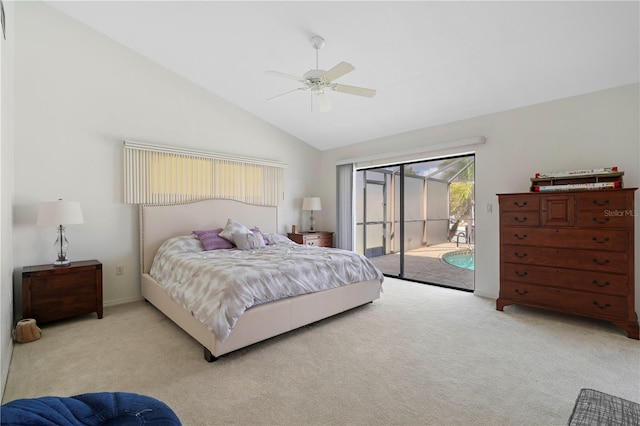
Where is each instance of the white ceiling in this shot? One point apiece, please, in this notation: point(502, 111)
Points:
point(430, 62)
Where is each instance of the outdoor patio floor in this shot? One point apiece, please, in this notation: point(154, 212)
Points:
point(427, 265)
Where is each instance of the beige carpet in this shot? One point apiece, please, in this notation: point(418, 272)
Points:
point(419, 355)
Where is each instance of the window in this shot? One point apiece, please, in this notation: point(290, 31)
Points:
point(164, 175)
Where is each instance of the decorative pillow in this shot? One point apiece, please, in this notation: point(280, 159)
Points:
point(277, 239)
point(251, 241)
point(256, 229)
point(211, 239)
point(233, 227)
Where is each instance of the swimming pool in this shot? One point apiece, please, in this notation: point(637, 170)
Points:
point(461, 258)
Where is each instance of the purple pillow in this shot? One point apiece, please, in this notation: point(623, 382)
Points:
point(255, 229)
point(211, 239)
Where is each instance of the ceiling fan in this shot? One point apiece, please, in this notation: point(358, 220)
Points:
point(320, 81)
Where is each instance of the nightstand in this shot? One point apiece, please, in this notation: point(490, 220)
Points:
point(51, 293)
point(319, 239)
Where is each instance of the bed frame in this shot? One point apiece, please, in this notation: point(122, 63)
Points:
point(158, 223)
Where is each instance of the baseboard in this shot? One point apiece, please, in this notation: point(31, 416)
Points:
point(122, 301)
point(484, 295)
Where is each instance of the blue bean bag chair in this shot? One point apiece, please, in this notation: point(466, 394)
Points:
point(89, 409)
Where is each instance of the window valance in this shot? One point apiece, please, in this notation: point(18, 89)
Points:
point(155, 174)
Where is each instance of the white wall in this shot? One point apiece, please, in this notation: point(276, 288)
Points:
point(594, 130)
point(78, 95)
point(6, 189)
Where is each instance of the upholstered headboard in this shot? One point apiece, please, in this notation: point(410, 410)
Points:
point(159, 223)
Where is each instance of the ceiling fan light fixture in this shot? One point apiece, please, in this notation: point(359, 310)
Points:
point(316, 80)
point(323, 101)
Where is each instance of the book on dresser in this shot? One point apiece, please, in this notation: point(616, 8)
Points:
point(572, 252)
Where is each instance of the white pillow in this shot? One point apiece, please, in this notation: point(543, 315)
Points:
point(233, 227)
point(277, 239)
point(250, 241)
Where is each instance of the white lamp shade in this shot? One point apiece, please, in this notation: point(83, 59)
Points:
point(56, 213)
point(311, 203)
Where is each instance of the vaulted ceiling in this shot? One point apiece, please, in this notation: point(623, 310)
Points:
point(430, 62)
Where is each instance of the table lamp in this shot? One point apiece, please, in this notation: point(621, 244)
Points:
point(313, 204)
point(60, 213)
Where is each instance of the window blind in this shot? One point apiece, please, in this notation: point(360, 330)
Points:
point(345, 215)
point(156, 174)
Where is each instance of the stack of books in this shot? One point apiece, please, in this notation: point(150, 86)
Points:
point(603, 178)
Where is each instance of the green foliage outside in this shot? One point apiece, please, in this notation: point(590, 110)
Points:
point(461, 189)
point(461, 200)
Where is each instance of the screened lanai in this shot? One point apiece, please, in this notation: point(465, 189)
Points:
point(416, 220)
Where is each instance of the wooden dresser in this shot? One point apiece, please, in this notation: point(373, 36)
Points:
point(320, 238)
point(570, 251)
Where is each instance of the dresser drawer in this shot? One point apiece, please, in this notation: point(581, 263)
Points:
point(47, 288)
point(524, 218)
point(592, 304)
point(605, 218)
point(604, 261)
point(597, 239)
point(602, 200)
point(520, 202)
point(591, 281)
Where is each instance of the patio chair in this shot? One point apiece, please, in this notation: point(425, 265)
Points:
point(453, 229)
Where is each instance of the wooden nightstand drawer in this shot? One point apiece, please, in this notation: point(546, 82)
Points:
point(51, 293)
point(318, 239)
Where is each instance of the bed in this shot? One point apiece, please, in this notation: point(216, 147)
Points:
point(159, 223)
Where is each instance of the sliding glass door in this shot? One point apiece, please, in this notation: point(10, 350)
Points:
point(375, 223)
point(410, 216)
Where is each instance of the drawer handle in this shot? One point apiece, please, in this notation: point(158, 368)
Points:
point(597, 305)
point(518, 204)
point(604, 262)
point(517, 219)
point(523, 292)
point(520, 237)
point(597, 203)
point(523, 255)
point(604, 284)
point(521, 274)
point(602, 241)
point(596, 220)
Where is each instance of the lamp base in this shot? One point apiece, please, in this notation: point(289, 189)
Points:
point(65, 262)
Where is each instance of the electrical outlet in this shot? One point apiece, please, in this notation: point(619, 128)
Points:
point(489, 208)
point(120, 270)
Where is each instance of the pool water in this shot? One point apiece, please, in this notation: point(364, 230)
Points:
point(462, 259)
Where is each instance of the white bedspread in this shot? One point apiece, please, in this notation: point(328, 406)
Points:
point(218, 286)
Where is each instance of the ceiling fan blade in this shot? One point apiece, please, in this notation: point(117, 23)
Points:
point(323, 101)
point(284, 94)
point(354, 90)
point(281, 74)
point(338, 71)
